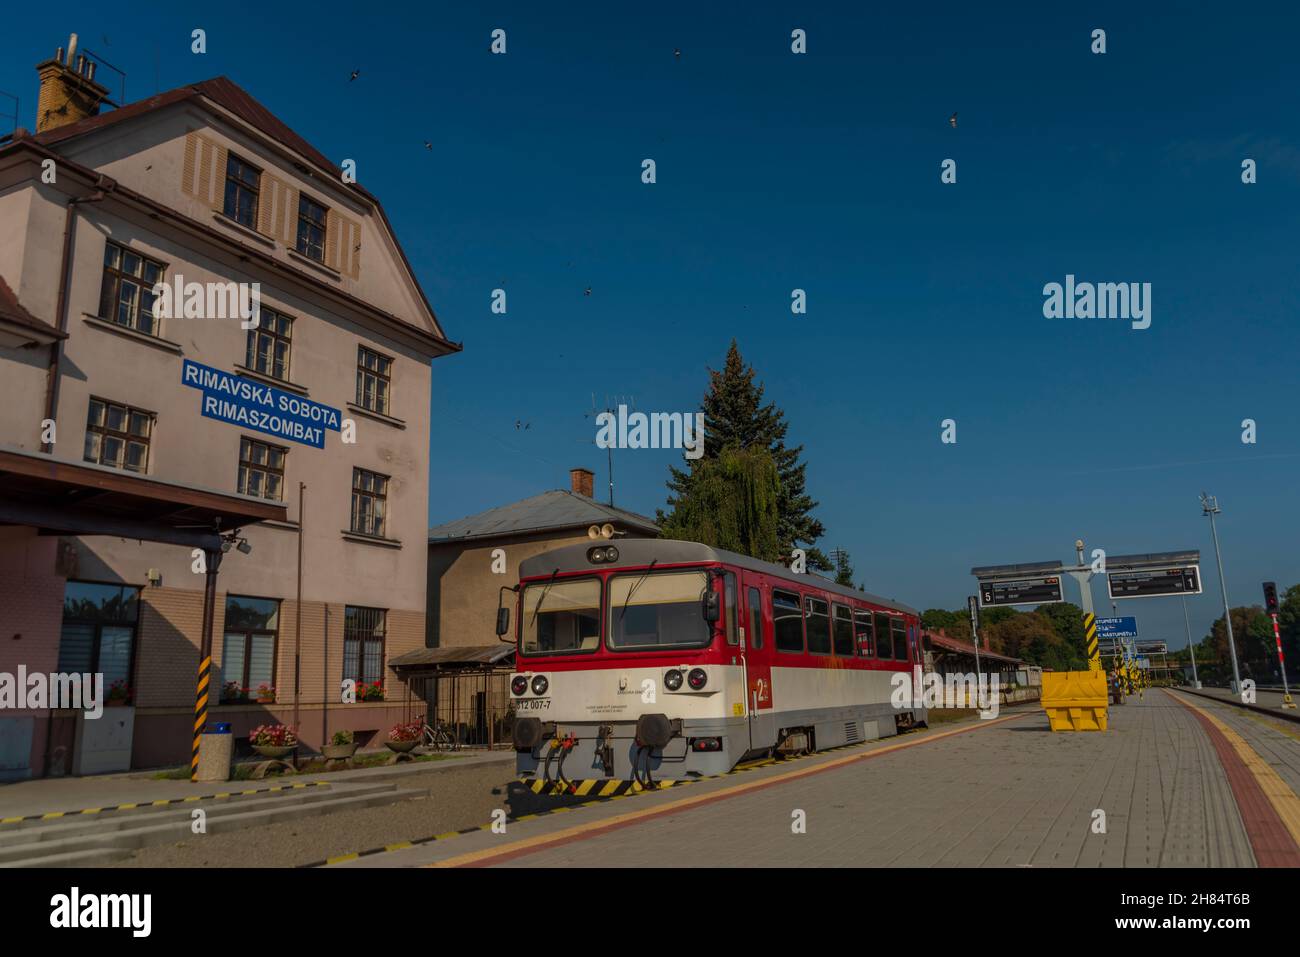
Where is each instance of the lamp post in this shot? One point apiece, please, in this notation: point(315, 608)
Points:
point(1210, 507)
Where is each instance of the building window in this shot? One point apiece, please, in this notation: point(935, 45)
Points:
point(374, 380)
point(843, 630)
point(787, 622)
point(98, 635)
point(363, 643)
point(261, 469)
point(369, 502)
point(755, 619)
point(118, 436)
point(248, 651)
point(818, 625)
point(242, 183)
point(268, 345)
point(126, 294)
point(311, 229)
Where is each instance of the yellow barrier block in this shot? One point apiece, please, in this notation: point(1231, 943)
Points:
point(1075, 700)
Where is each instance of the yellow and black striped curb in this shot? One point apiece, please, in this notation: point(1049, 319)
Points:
point(55, 815)
point(593, 798)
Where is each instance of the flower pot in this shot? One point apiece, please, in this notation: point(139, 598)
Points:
point(275, 752)
point(401, 747)
point(333, 752)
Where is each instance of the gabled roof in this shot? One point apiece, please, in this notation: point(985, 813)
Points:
point(228, 95)
point(550, 511)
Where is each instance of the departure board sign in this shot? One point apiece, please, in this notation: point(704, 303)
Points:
point(1155, 582)
point(1020, 591)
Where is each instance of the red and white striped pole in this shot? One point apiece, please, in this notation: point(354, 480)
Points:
point(1286, 689)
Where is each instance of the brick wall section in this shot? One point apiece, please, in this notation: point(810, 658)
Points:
point(167, 646)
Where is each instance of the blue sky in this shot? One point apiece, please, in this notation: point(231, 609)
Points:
point(821, 172)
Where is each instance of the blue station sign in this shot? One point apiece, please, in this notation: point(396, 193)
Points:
point(263, 408)
point(1117, 628)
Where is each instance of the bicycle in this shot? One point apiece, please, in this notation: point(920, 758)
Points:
point(440, 736)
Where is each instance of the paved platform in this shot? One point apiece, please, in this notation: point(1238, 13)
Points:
point(1181, 781)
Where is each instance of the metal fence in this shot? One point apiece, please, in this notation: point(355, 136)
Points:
point(473, 706)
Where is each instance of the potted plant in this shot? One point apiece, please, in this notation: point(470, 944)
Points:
point(231, 693)
point(119, 694)
point(370, 692)
point(341, 746)
point(404, 737)
point(265, 694)
point(273, 740)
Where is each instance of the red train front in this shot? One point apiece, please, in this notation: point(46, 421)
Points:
point(649, 660)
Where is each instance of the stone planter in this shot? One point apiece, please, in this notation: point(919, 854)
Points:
point(335, 752)
point(275, 752)
point(402, 747)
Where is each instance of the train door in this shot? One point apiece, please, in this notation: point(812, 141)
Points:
point(758, 651)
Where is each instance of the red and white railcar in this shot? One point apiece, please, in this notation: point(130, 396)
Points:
point(654, 659)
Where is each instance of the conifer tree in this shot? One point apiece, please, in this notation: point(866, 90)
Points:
point(735, 415)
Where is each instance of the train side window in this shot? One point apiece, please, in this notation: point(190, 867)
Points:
point(818, 624)
point(843, 631)
point(755, 619)
point(733, 609)
point(862, 629)
point(787, 622)
point(900, 638)
point(884, 646)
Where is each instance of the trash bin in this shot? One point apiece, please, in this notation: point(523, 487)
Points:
point(216, 749)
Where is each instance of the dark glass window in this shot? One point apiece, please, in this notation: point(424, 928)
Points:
point(755, 619)
point(733, 609)
point(787, 622)
point(261, 469)
point(311, 229)
point(660, 608)
point(118, 435)
point(899, 631)
point(862, 630)
point(248, 651)
point(242, 183)
point(374, 380)
point(268, 345)
point(363, 643)
point(843, 630)
point(98, 635)
point(369, 502)
point(818, 624)
point(126, 292)
point(884, 646)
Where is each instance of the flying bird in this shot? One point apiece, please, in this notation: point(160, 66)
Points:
point(355, 74)
point(428, 145)
point(587, 291)
point(522, 425)
point(678, 54)
point(952, 121)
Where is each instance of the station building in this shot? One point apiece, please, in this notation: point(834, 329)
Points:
point(135, 441)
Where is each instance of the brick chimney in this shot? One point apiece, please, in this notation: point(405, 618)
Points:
point(68, 89)
point(581, 481)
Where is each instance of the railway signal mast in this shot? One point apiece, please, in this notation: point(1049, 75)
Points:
point(1270, 604)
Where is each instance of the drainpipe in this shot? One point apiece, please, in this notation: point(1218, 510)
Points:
point(103, 186)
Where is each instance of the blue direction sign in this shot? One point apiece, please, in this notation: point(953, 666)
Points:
point(240, 401)
point(1116, 628)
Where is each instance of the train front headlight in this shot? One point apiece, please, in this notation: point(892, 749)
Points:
point(672, 679)
point(540, 684)
point(519, 685)
point(697, 678)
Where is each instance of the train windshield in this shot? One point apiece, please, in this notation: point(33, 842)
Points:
point(657, 610)
point(561, 617)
